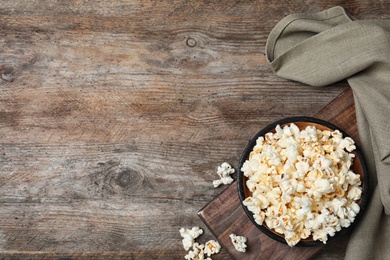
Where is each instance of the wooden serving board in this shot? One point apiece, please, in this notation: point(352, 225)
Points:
point(224, 214)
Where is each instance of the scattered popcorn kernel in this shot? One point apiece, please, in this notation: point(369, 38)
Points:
point(224, 171)
point(195, 250)
point(301, 182)
point(189, 236)
point(211, 247)
point(239, 242)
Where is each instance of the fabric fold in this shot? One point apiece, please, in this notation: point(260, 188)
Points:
point(322, 48)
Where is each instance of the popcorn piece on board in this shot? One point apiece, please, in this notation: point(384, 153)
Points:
point(224, 171)
point(301, 182)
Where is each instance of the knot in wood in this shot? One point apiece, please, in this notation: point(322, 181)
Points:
point(125, 181)
point(124, 178)
point(7, 73)
point(115, 179)
point(191, 42)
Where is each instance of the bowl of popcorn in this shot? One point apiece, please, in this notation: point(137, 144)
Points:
point(302, 181)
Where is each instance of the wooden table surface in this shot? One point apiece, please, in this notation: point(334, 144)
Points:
point(115, 115)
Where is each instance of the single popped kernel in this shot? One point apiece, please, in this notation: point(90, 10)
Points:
point(211, 247)
point(189, 236)
point(197, 252)
point(224, 171)
point(239, 242)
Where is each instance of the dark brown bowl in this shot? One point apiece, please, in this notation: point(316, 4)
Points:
point(358, 166)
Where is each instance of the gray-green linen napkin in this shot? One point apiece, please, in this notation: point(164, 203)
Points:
point(322, 48)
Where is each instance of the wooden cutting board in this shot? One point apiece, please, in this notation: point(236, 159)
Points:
point(224, 214)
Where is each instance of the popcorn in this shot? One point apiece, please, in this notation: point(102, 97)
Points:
point(301, 182)
point(224, 172)
point(304, 205)
point(212, 247)
point(199, 251)
point(189, 236)
point(354, 193)
point(239, 242)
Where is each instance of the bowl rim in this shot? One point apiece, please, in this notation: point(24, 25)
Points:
point(304, 119)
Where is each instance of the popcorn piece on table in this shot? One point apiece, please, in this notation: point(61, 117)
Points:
point(199, 251)
point(211, 247)
point(224, 172)
point(189, 236)
point(239, 242)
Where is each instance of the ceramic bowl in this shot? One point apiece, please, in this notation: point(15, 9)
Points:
point(359, 167)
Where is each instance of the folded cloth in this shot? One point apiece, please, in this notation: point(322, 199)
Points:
point(322, 48)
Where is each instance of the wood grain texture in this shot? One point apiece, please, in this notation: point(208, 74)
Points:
point(114, 116)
